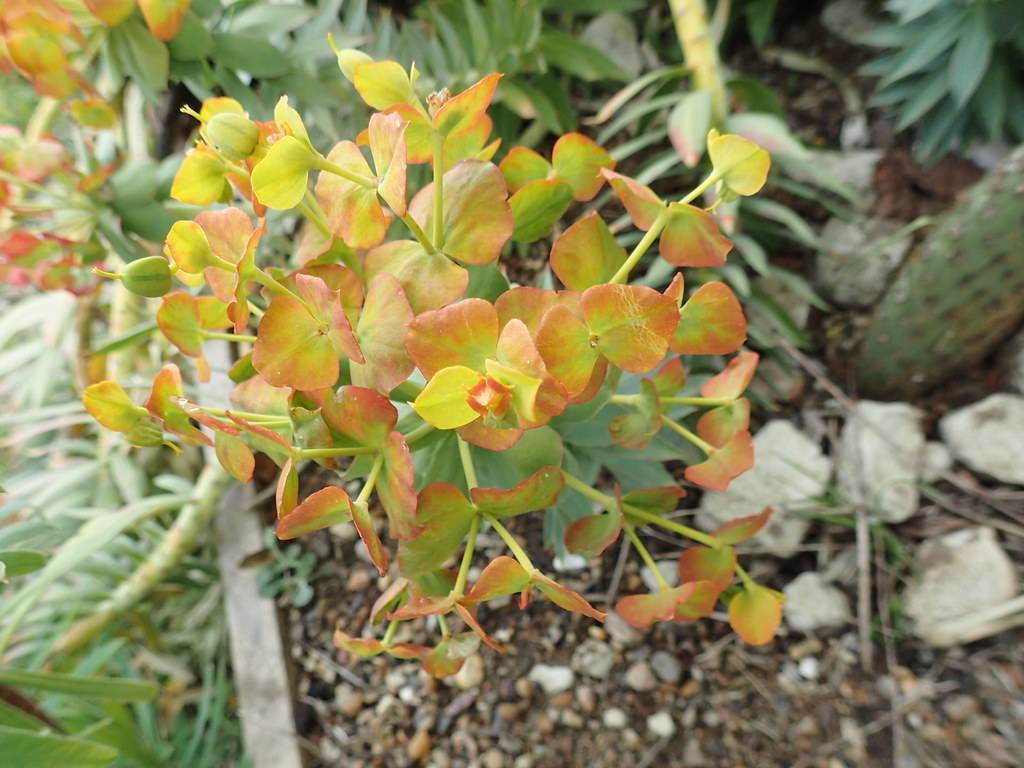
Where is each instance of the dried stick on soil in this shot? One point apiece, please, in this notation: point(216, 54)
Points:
point(864, 590)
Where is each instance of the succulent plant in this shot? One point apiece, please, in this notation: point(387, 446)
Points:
point(959, 293)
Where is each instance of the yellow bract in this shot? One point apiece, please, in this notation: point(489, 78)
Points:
point(279, 179)
point(444, 403)
point(741, 165)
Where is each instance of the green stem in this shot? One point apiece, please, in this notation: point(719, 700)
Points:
point(744, 576)
point(593, 494)
point(270, 282)
point(438, 231)
point(313, 218)
point(389, 635)
point(371, 479)
point(467, 464)
point(645, 555)
point(511, 543)
point(443, 624)
point(467, 558)
point(418, 233)
point(109, 275)
point(671, 525)
point(697, 191)
point(333, 453)
point(684, 432)
point(419, 433)
point(238, 337)
point(641, 248)
point(356, 178)
point(247, 415)
point(709, 402)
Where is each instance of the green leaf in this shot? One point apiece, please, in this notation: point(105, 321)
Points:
point(445, 516)
point(86, 686)
point(46, 750)
point(18, 562)
point(537, 206)
point(249, 53)
point(971, 55)
point(140, 55)
point(688, 124)
point(567, 53)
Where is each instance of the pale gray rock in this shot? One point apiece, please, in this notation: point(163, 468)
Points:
point(937, 461)
point(552, 679)
point(789, 471)
point(857, 259)
point(812, 603)
point(614, 718)
point(669, 570)
point(593, 658)
point(988, 436)
point(880, 457)
point(958, 574)
point(666, 667)
point(662, 725)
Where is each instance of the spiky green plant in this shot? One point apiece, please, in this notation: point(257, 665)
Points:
point(958, 294)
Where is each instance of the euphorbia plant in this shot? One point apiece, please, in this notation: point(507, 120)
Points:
point(371, 348)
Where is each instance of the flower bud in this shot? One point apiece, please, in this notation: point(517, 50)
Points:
point(233, 134)
point(145, 433)
point(149, 277)
point(349, 59)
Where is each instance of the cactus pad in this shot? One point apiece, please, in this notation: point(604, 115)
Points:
point(958, 295)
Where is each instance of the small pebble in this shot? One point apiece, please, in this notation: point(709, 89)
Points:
point(666, 667)
point(348, 700)
point(419, 745)
point(809, 667)
point(661, 724)
point(492, 758)
point(552, 679)
point(359, 580)
point(639, 677)
point(614, 718)
point(586, 698)
point(593, 658)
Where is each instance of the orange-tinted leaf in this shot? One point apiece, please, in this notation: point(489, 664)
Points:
point(477, 217)
point(234, 455)
point(299, 343)
point(328, 506)
point(111, 12)
point(539, 491)
point(710, 323)
point(388, 149)
point(565, 343)
point(691, 238)
point(464, 109)
point(353, 211)
point(725, 463)
point(164, 403)
point(110, 405)
point(641, 422)
point(178, 319)
point(642, 611)
point(756, 613)
point(642, 205)
point(591, 535)
point(461, 334)
point(578, 161)
point(586, 254)
point(468, 615)
point(720, 425)
point(360, 416)
point(732, 382)
point(670, 378)
point(502, 576)
point(286, 495)
point(364, 527)
point(396, 488)
point(418, 607)
point(565, 598)
point(360, 647)
point(444, 516)
point(688, 125)
point(163, 17)
point(537, 206)
point(381, 331)
point(525, 303)
point(430, 280)
point(743, 528)
point(493, 439)
point(716, 566)
point(449, 655)
point(701, 602)
point(521, 166)
point(630, 323)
